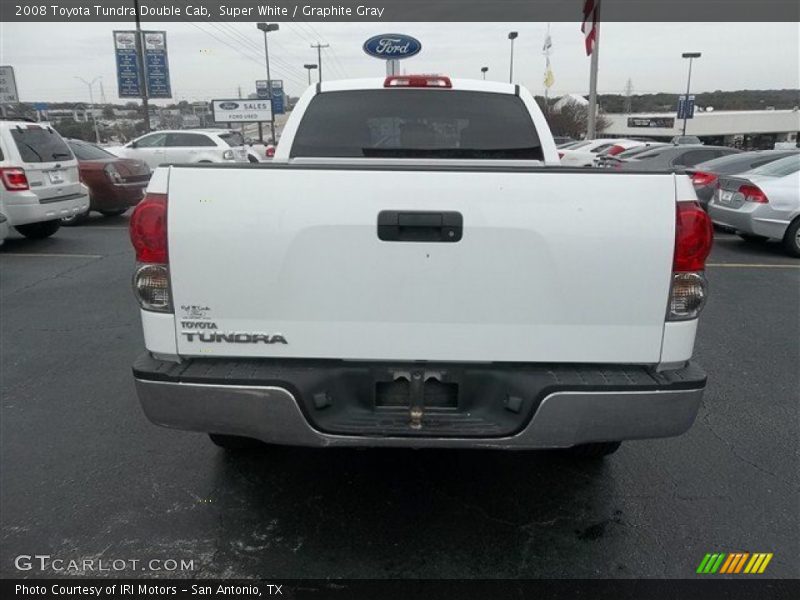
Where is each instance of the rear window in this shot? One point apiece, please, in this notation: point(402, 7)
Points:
point(40, 144)
point(84, 151)
point(652, 153)
point(233, 138)
point(412, 123)
point(779, 168)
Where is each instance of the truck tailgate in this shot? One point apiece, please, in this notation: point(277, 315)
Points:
point(552, 266)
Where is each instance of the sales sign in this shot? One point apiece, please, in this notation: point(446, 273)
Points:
point(241, 111)
point(8, 85)
point(129, 84)
point(661, 122)
point(156, 64)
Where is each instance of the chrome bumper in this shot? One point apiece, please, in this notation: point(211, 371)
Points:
point(562, 419)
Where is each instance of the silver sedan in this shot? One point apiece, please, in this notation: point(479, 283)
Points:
point(763, 203)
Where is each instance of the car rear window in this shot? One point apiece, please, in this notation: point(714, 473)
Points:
point(410, 123)
point(779, 168)
point(84, 151)
point(233, 138)
point(40, 144)
point(652, 153)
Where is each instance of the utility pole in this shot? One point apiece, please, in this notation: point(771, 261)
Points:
point(628, 93)
point(90, 85)
point(140, 57)
point(512, 35)
point(591, 129)
point(691, 56)
point(319, 48)
point(266, 28)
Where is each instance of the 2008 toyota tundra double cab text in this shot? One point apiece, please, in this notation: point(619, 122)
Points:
point(414, 268)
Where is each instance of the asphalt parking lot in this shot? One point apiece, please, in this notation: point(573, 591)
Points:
point(85, 475)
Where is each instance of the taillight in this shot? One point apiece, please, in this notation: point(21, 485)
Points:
point(614, 150)
point(700, 179)
point(694, 235)
point(14, 179)
point(753, 193)
point(148, 230)
point(418, 81)
point(270, 151)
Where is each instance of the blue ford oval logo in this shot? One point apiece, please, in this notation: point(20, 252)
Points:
point(229, 105)
point(391, 46)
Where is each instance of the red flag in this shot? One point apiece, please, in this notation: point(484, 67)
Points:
point(590, 22)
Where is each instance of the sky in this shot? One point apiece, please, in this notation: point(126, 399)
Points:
point(211, 60)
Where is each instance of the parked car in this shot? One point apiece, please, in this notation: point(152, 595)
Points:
point(706, 174)
point(185, 146)
point(258, 151)
point(762, 204)
point(680, 140)
point(615, 161)
point(3, 228)
point(40, 181)
point(672, 157)
point(397, 286)
point(115, 184)
point(584, 155)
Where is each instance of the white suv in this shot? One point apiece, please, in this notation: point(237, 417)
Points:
point(185, 146)
point(40, 181)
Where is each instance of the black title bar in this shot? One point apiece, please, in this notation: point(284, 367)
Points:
point(398, 10)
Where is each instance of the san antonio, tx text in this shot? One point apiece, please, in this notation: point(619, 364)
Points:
point(129, 589)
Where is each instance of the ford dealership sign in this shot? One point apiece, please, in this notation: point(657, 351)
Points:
point(392, 46)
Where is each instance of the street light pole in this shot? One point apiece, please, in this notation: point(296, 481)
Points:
point(483, 70)
point(512, 35)
point(90, 85)
point(309, 68)
point(267, 27)
point(691, 56)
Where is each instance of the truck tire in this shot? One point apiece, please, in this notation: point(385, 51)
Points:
point(234, 443)
point(594, 450)
point(74, 219)
point(791, 239)
point(39, 231)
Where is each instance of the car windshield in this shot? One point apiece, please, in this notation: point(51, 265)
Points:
point(39, 144)
point(232, 138)
point(417, 123)
point(778, 168)
point(85, 151)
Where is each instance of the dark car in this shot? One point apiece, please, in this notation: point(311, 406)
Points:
point(665, 158)
point(705, 176)
point(115, 184)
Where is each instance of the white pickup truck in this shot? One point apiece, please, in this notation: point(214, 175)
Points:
point(414, 268)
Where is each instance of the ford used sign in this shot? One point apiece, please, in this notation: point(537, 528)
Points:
point(241, 111)
point(228, 105)
point(392, 46)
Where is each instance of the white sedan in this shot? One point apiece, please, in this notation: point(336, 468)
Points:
point(185, 146)
point(762, 204)
point(583, 155)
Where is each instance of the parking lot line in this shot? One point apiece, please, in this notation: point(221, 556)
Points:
point(50, 255)
point(753, 266)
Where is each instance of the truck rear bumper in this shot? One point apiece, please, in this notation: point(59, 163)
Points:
point(276, 402)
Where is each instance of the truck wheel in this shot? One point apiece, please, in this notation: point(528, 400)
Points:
point(594, 450)
point(791, 240)
point(113, 213)
point(234, 443)
point(39, 231)
point(749, 237)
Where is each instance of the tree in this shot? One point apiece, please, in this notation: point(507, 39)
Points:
point(81, 130)
point(573, 119)
point(108, 112)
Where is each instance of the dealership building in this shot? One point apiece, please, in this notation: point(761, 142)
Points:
point(760, 129)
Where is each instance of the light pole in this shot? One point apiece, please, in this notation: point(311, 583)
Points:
point(483, 70)
point(266, 28)
point(512, 35)
point(90, 85)
point(309, 68)
point(691, 56)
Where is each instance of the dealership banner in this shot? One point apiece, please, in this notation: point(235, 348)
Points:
point(129, 81)
point(400, 10)
point(156, 64)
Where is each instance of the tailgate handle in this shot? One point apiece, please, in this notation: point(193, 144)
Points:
point(413, 226)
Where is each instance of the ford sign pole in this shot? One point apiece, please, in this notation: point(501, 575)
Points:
point(140, 56)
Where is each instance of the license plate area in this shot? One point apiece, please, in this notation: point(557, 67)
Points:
point(56, 176)
point(424, 389)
